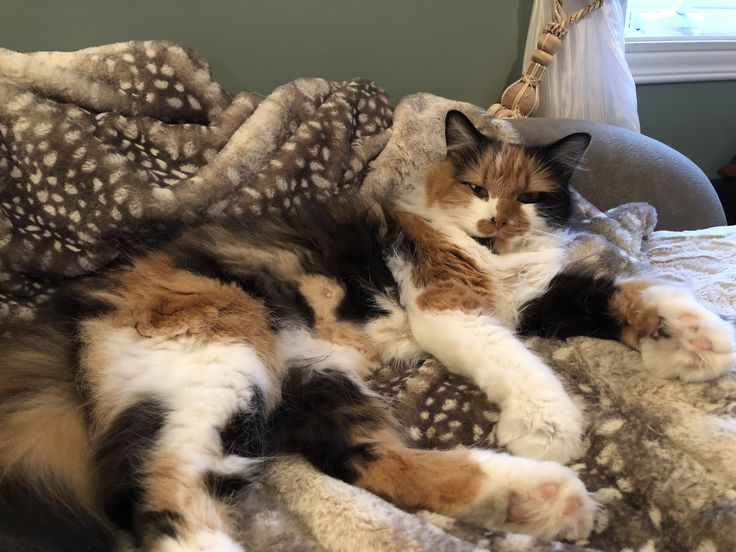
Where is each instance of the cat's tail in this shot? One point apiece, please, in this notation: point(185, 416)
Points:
point(47, 498)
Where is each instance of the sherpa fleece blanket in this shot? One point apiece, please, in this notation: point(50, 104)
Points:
point(112, 146)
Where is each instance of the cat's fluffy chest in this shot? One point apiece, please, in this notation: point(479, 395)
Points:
point(520, 275)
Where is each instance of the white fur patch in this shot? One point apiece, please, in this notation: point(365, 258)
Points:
point(199, 541)
point(298, 345)
point(201, 383)
point(391, 334)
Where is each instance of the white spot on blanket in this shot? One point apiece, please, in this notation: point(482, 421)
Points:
point(607, 495)
point(610, 426)
point(194, 102)
point(655, 515)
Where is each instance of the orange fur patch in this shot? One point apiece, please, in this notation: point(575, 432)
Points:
point(446, 482)
point(637, 321)
point(446, 275)
point(443, 190)
point(324, 295)
point(43, 433)
point(160, 300)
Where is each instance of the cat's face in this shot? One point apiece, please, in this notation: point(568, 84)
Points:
point(500, 193)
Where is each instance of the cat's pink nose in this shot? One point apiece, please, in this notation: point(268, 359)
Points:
point(500, 222)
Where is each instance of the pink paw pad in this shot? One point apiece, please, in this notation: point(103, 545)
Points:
point(702, 343)
point(548, 491)
point(572, 505)
point(690, 320)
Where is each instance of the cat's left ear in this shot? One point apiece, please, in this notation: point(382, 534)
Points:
point(565, 154)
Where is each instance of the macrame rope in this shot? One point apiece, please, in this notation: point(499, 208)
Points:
point(521, 98)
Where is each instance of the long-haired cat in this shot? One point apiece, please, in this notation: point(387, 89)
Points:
point(141, 402)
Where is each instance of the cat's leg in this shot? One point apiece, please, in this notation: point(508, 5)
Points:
point(677, 335)
point(538, 418)
point(180, 383)
point(346, 431)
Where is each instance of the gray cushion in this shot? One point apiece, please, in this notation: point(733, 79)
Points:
point(623, 166)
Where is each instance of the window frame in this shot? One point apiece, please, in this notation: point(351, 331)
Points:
point(692, 60)
point(676, 59)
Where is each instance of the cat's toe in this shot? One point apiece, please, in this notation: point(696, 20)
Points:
point(538, 498)
point(541, 429)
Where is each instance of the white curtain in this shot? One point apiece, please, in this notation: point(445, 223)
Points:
point(588, 77)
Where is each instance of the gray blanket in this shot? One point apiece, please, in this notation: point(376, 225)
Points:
point(113, 146)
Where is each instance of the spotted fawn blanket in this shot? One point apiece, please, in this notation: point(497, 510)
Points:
point(109, 147)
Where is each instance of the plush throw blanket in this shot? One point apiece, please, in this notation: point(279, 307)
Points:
point(110, 147)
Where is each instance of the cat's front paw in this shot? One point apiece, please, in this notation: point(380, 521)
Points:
point(544, 427)
point(538, 498)
point(691, 342)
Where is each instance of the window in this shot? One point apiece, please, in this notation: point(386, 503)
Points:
point(681, 40)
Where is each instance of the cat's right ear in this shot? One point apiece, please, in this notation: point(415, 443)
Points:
point(460, 134)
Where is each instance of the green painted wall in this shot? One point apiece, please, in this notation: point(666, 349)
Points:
point(696, 118)
point(465, 49)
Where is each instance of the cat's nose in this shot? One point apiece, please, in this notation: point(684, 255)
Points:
point(500, 222)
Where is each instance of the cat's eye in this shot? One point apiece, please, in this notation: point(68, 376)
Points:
point(529, 197)
point(479, 191)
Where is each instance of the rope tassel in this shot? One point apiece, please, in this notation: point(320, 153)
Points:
point(521, 99)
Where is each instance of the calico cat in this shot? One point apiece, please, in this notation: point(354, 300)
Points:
point(142, 402)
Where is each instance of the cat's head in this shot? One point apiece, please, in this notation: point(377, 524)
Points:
point(498, 192)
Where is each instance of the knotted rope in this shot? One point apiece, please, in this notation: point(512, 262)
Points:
point(521, 98)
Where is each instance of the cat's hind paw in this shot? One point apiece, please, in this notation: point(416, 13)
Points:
point(691, 342)
point(538, 498)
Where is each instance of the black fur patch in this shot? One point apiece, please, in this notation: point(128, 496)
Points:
point(225, 487)
point(161, 522)
point(561, 159)
point(283, 299)
point(32, 523)
point(319, 412)
point(555, 207)
point(120, 456)
point(75, 303)
point(347, 242)
point(242, 434)
point(201, 262)
point(573, 305)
